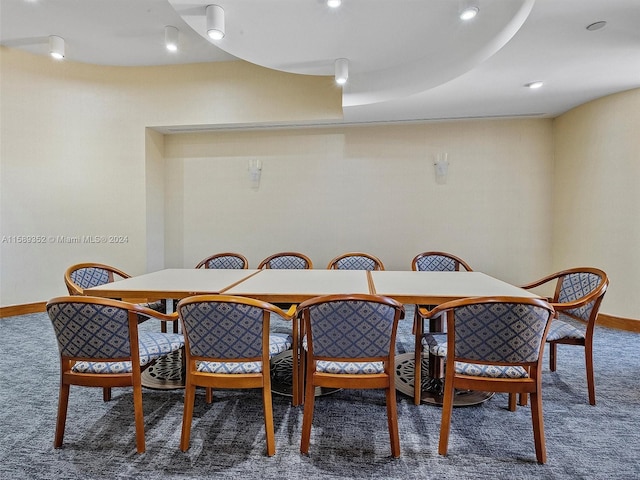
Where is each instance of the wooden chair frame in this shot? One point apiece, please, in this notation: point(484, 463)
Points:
point(106, 380)
point(261, 380)
point(531, 385)
point(436, 324)
point(596, 296)
point(385, 380)
point(378, 265)
point(266, 263)
point(75, 289)
point(205, 262)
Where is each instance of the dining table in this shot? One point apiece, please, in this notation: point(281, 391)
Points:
point(290, 287)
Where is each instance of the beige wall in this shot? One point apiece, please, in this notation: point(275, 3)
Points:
point(78, 158)
point(75, 158)
point(596, 218)
point(326, 191)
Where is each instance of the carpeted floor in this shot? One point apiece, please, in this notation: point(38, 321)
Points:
point(349, 437)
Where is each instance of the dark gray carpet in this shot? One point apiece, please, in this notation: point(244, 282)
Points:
point(349, 437)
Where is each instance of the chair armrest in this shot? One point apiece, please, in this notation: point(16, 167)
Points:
point(148, 312)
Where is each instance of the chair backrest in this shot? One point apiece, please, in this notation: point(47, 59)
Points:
point(508, 331)
point(357, 327)
point(356, 261)
point(287, 261)
point(438, 262)
point(227, 260)
point(86, 275)
point(226, 328)
point(89, 328)
point(582, 283)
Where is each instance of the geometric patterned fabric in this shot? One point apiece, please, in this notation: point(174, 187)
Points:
point(90, 277)
point(228, 331)
point(288, 262)
point(351, 329)
point(356, 262)
point(226, 262)
point(508, 333)
point(493, 332)
point(85, 330)
point(562, 328)
point(436, 263)
point(575, 286)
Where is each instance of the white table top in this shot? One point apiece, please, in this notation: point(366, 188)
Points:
point(172, 283)
point(298, 285)
point(438, 287)
point(294, 286)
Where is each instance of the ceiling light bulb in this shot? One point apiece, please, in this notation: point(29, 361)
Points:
point(469, 13)
point(342, 71)
point(171, 38)
point(334, 3)
point(56, 47)
point(537, 84)
point(215, 22)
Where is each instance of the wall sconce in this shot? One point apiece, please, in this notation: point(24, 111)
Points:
point(441, 166)
point(255, 171)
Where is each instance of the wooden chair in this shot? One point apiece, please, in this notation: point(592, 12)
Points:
point(225, 260)
point(438, 262)
point(228, 345)
point(100, 346)
point(433, 261)
point(81, 276)
point(86, 275)
point(362, 359)
point(577, 296)
point(356, 261)
point(287, 260)
point(496, 344)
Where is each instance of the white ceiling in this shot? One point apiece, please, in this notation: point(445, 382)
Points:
point(408, 59)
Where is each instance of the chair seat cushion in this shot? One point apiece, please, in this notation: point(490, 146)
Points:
point(560, 329)
point(436, 343)
point(152, 345)
point(355, 368)
point(492, 371)
point(229, 367)
point(278, 343)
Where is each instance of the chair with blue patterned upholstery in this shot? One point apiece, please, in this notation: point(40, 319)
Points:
point(286, 261)
point(578, 293)
point(228, 345)
point(433, 261)
point(356, 261)
point(495, 344)
point(350, 343)
point(228, 260)
point(81, 276)
point(100, 346)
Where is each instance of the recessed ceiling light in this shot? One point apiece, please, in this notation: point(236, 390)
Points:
point(469, 13)
point(596, 26)
point(334, 3)
point(536, 84)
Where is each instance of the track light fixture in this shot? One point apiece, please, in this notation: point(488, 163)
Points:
point(215, 22)
point(56, 47)
point(342, 71)
point(171, 38)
